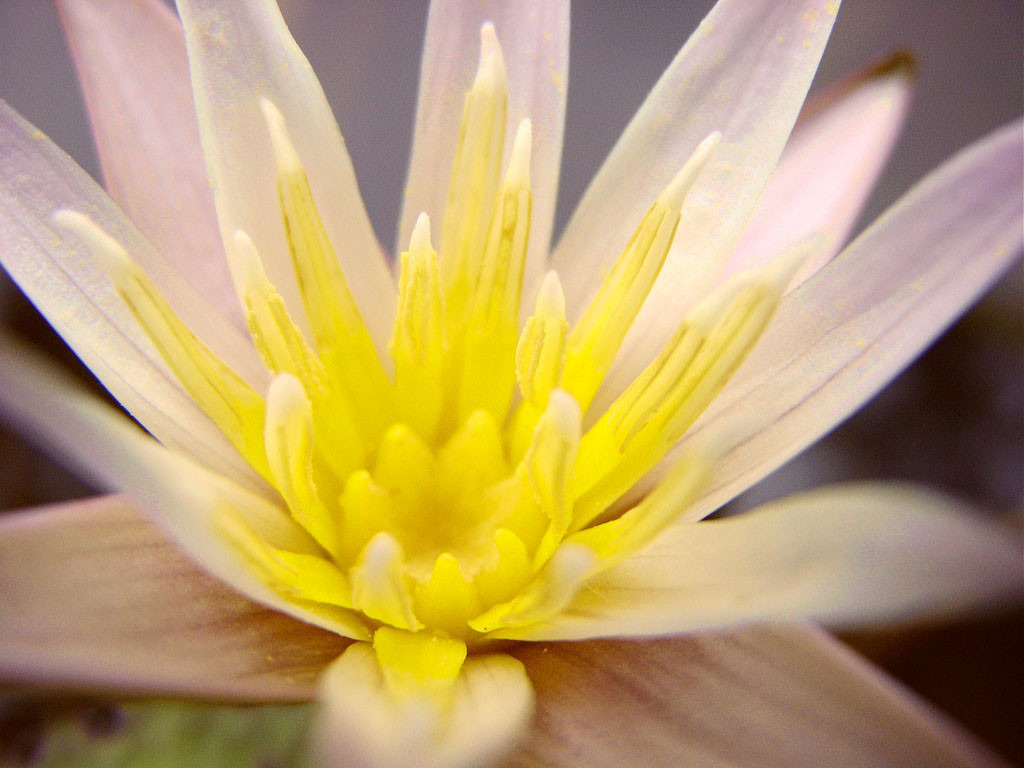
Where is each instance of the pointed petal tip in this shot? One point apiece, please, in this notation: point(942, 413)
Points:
point(677, 189)
point(285, 154)
point(285, 396)
point(420, 240)
point(518, 173)
point(111, 254)
point(564, 412)
point(550, 297)
point(245, 261)
point(491, 72)
point(779, 272)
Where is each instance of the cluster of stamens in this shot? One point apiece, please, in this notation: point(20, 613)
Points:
point(450, 485)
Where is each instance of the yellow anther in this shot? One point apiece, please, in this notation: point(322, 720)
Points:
point(540, 358)
point(597, 336)
point(540, 355)
point(617, 539)
point(664, 401)
point(405, 469)
point(380, 588)
point(675, 193)
point(548, 467)
point(342, 339)
point(509, 572)
point(448, 600)
point(418, 664)
point(289, 445)
point(487, 351)
point(475, 173)
point(317, 579)
point(366, 509)
point(553, 589)
point(418, 344)
point(277, 338)
point(230, 402)
point(470, 461)
point(284, 350)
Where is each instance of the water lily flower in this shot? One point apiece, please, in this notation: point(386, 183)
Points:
point(397, 482)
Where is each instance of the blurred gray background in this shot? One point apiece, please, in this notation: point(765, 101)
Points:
point(954, 420)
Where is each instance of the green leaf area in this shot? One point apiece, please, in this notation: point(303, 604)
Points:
point(72, 733)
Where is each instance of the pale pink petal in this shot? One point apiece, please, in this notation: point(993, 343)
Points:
point(744, 72)
point(534, 38)
point(97, 597)
point(846, 555)
point(361, 724)
point(62, 278)
point(130, 56)
point(831, 163)
point(753, 698)
point(240, 52)
point(200, 508)
point(843, 334)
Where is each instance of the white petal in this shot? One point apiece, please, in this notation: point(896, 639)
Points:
point(744, 72)
point(843, 334)
point(757, 697)
point(186, 498)
point(846, 555)
point(828, 168)
point(98, 597)
point(62, 278)
point(534, 38)
point(240, 52)
point(361, 724)
point(130, 57)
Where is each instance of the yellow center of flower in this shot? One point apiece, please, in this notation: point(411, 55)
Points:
point(454, 490)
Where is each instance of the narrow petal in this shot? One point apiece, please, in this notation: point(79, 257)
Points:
point(363, 723)
point(843, 334)
point(846, 555)
point(829, 167)
point(224, 527)
point(534, 38)
point(241, 52)
point(97, 597)
point(751, 698)
point(66, 283)
point(130, 56)
point(744, 72)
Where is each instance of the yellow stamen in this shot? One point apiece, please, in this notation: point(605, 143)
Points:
point(487, 353)
point(420, 664)
point(417, 344)
point(277, 338)
point(380, 588)
point(366, 509)
point(617, 539)
point(540, 358)
point(548, 467)
point(341, 336)
point(596, 338)
point(284, 350)
point(448, 600)
point(475, 172)
point(654, 412)
point(230, 402)
point(315, 578)
point(554, 588)
point(470, 461)
point(511, 570)
point(540, 355)
point(289, 444)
